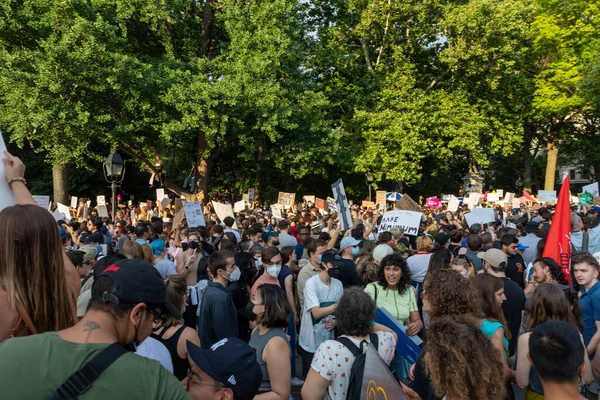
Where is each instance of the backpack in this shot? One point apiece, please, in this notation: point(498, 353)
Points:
point(370, 372)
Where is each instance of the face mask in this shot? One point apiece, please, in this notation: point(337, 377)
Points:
point(134, 344)
point(333, 272)
point(193, 245)
point(355, 251)
point(320, 259)
point(276, 243)
point(464, 274)
point(274, 270)
point(184, 246)
point(235, 275)
point(257, 261)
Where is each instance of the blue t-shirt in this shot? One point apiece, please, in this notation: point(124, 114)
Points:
point(590, 307)
point(284, 273)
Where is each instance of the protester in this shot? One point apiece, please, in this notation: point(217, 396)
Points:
point(227, 370)
point(419, 263)
point(349, 251)
point(127, 298)
point(464, 266)
point(172, 333)
point(474, 244)
point(330, 370)
point(303, 241)
point(218, 315)
point(132, 250)
point(285, 239)
point(271, 260)
point(310, 267)
point(240, 294)
point(271, 343)
point(515, 265)
point(164, 266)
point(187, 266)
point(530, 240)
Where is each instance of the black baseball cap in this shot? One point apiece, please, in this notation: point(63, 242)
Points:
point(233, 363)
point(138, 281)
point(333, 257)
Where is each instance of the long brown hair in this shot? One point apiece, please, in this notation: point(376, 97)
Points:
point(549, 302)
point(32, 269)
point(176, 290)
point(488, 285)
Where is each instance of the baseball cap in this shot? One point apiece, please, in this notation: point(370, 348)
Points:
point(138, 281)
point(348, 241)
point(333, 257)
point(522, 247)
point(532, 227)
point(91, 252)
point(493, 256)
point(442, 238)
point(233, 363)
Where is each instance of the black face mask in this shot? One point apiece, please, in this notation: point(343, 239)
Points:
point(193, 245)
point(275, 243)
point(134, 344)
point(334, 273)
point(249, 308)
point(185, 246)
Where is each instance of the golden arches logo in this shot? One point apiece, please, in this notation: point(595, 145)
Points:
point(375, 392)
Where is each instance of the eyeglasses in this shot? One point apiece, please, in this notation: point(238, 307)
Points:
point(216, 386)
point(159, 319)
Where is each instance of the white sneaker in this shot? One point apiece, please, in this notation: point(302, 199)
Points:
point(297, 381)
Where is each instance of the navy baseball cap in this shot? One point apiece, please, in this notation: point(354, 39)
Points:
point(333, 257)
point(233, 363)
point(136, 282)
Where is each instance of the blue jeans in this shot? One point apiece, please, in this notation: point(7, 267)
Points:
point(292, 332)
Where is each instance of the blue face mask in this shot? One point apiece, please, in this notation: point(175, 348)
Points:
point(355, 251)
point(320, 259)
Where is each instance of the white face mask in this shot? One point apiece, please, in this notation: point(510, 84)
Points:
point(235, 275)
point(464, 274)
point(257, 262)
point(274, 270)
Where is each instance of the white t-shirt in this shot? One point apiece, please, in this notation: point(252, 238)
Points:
point(286, 240)
point(315, 293)
point(166, 268)
point(418, 265)
point(155, 350)
point(333, 361)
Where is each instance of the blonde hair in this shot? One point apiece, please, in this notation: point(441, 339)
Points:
point(424, 243)
point(132, 250)
point(32, 269)
point(147, 253)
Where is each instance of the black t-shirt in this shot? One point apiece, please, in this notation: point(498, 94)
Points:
point(95, 237)
point(515, 269)
point(454, 248)
point(512, 308)
point(348, 275)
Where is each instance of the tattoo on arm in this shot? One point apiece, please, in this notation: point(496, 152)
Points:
point(89, 327)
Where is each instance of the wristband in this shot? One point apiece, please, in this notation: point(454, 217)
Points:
point(13, 180)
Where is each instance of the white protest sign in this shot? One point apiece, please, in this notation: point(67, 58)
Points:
point(100, 200)
point(73, 202)
point(547, 196)
point(500, 192)
point(193, 214)
point(516, 203)
point(223, 211)
point(7, 197)
point(64, 210)
point(102, 211)
point(407, 220)
point(276, 210)
point(239, 206)
point(493, 197)
point(508, 197)
point(480, 216)
point(58, 215)
point(591, 188)
point(42, 201)
point(160, 194)
point(453, 203)
point(341, 202)
point(310, 198)
point(474, 200)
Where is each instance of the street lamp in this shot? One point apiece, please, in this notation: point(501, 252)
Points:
point(114, 172)
point(370, 178)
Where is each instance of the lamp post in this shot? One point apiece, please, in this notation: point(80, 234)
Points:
point(370, 178)
point(114, 172)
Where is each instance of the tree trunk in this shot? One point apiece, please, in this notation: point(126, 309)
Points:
point(552, 152)
point(203, 172)
point(262, 149)
point(527, 168)
point(60, 183)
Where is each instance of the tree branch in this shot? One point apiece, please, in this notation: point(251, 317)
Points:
point(366, 53)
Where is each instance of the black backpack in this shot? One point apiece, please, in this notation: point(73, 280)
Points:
point(358, 366)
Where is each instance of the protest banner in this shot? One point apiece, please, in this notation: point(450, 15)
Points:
point(516, 203)
point(586, 199)
point(500, 193)
point(480, 216)
point(493, 197)
point(592, 188)
point(193, 214)
point(473, 200)
point(310, 198)
point(286, 199)
point(320, 204)
point(407, 220)
point(7, 197)
point(368, 204)
point(64, 210)
point(100, 200)
point(160, 194)
point(433, 202)
point(453, 203)
point(341, 202)
point(547, 196)
point(251, 194)
point(102, 211)
point(408, 204)
point(508, 197)
point(446, 198)
point(380, 197)
point(178, 219)
point(223, 211)
point(42, 201)
point(73, 202)
point(239, 206)
point(276, 211)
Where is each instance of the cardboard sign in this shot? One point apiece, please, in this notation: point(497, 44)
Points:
point(165, 202)
point(407, 220)
point(310, 198)
point(160, 194)
point(178, 219)
point(493, 197)
point(592, 188)
point(102, 211)
point(480, 216)
point(320, 204)
point(100, 200)
point(380, 197)
point(223, 211)
point(178, 204)
point(453, 203)
point(73, 202)
point(246, 197)
point(239, 206)
point(251, 194)
point(64, 210)
point(42, 201)
point(276, 211)
point(369, 204)
point(407, 203)
point(547, 196)
point(7, 197)
point(341, 202)
point(286, 199)
point(193, 214)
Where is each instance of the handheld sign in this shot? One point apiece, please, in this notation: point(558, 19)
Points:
point(407, 203)
point(341, 202)
point(251, 193)
point(547, 196)
point(100, 200)
point(160, 194)
point(7, 197)
point(64, 210)
point(591, 188)
point(102, 211)
point(42, 201)
point(407, 346)
point(453, 203)
point(407, 220)
point(286, 199)
point(493, 197)
point(193, 214)
point(73, 202)
point(223, 211)
point(239, 206)
point(480, 216)
point(380, 197)
point(276, 210)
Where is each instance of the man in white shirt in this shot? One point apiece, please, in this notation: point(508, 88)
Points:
point(228, 221)
point(285, 239)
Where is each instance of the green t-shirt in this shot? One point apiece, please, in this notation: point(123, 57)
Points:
point(32, 367)
point(400, 306)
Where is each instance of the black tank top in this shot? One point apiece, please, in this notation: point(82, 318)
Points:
point(180, 365)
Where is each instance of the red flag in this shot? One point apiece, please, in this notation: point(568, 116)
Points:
point(528, 196)
point(558, 242)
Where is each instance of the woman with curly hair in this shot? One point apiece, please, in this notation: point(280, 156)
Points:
point(548, 302)
point(394, 292)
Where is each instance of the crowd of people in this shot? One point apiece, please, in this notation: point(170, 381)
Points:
point(143, 308)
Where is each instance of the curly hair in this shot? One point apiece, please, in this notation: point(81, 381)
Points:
point(462, 362)
point(397, 261)
point(448, 293)
point(355, 313)
point(556, 271)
